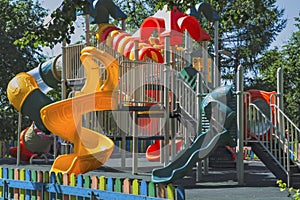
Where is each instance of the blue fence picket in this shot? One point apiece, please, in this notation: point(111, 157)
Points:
point(110, 184)
point(52, 180)
point(80, 182)
point(180, 194)
point(28, 178)
point(144, 188)
point(5, 188)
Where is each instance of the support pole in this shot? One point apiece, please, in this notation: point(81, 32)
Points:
point(216, 73)
point(240, 126)
point(280, 99)
point(135, 120)
point(63, 86)
point(166, 98)
point(188, 47)
point(19, 136)
point(87, 30)
point(281, 123)
point(199, 117)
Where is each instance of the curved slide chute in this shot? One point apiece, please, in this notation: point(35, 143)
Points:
point(63, 118)
point(206, 142)
point(199, 150)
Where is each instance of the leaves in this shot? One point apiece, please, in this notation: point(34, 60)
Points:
point(291, 192)
point(288, 59)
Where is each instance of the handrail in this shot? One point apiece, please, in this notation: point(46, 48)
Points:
point(277, 144)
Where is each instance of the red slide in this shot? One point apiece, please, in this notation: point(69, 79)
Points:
point(153, 151)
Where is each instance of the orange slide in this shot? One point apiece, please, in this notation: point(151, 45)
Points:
point(63, 118)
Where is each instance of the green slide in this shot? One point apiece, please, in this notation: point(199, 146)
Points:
point(201, 148)
point(220, 103)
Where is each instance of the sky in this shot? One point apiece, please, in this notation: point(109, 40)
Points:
point(292, 8)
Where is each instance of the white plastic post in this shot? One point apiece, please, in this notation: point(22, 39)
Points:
point(19, 136)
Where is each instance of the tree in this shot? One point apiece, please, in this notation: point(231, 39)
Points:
point(16, 18)
point(58, 28)
point(288, 59)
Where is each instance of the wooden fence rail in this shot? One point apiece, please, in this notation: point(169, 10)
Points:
point(38, 185)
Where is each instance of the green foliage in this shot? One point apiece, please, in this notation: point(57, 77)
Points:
point(58, 28)
point(16, 18)
point(288, 59)
point(292, 193)
point(247, 29)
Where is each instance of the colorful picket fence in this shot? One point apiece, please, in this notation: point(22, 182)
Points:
point(31, 184)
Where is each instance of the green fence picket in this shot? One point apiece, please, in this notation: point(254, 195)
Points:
point(46, 179)
point(59, 181)
point(151, 190)
point(118, 185)
point(34, 179)
point(11, 176)
point(87, 183)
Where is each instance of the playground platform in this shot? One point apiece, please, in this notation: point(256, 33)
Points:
point(220, 183)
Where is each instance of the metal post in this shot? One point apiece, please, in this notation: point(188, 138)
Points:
point(63, 71)
point(280, 98)
point(87, 31)
point(63, 86)
point(172, 106)
point(199, 117)
point(135, 120)
point(240, 126)
point(19, 135)
point(166, 97)
point(217, 79)
point(280, 117)
point(188, 47)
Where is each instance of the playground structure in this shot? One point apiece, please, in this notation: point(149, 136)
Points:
point(127, 67)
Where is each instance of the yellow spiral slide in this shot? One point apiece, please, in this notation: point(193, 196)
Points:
point(64, 118)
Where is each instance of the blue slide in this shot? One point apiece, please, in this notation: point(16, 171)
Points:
point(200, 149)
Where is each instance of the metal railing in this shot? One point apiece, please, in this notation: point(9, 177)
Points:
point(277, 134)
